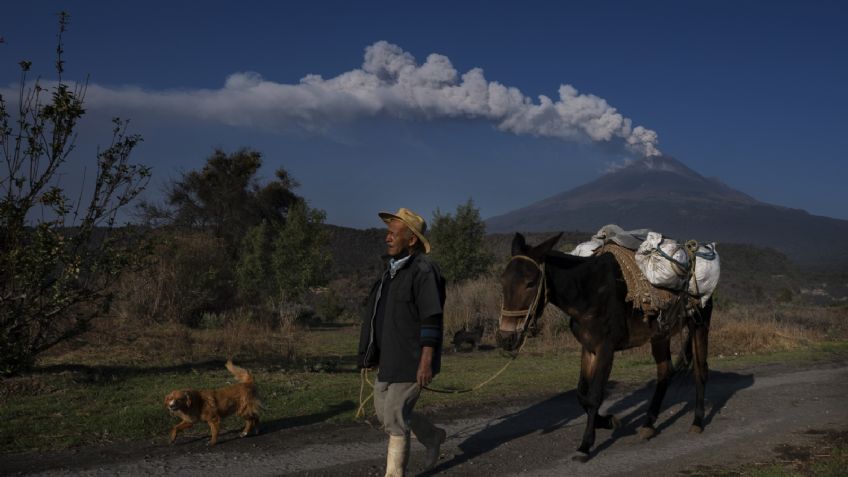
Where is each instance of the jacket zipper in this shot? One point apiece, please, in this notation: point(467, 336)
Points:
point(373, 335)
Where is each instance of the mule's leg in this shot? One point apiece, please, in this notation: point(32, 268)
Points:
point(601, 421)
point(594, 374)
point(661, 349)
point(684, 358)
point(607, 421)
point(700, 330)
point(587, 366)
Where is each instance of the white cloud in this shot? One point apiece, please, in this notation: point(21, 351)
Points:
point(390, 83)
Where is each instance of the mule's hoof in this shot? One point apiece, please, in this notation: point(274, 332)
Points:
point(607, 422)
point(615, 421)
point(580, 456)
point(647, 432)
point(696, 429)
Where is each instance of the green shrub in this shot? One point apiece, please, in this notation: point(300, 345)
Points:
point(457, 242)
point(299, 258)
point(253, 273)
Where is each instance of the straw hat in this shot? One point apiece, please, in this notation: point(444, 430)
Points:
point(412, 220)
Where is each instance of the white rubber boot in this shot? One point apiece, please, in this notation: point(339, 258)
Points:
point(397, 456)
point(433, 451)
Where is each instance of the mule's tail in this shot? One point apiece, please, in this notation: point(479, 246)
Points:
point(242, 375)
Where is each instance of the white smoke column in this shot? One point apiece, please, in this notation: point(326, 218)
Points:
point(390, 83)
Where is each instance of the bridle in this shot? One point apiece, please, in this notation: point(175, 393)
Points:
point(528, 313)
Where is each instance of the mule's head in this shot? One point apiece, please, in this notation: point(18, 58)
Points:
point(524, 299)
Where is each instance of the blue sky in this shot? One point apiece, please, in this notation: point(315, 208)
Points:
point(751, 92)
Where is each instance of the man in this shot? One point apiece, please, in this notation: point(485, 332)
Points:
point(402, 336)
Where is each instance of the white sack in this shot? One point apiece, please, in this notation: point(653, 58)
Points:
point(587, 249)
point(659, 270)
point(662, 272)
point(707, 271)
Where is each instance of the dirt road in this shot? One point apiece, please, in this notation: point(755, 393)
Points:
point(749, 413)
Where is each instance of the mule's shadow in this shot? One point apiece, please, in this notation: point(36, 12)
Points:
point(556, 412)
point(721, 386)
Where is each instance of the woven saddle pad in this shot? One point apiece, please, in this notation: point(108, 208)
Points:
point(644, 296)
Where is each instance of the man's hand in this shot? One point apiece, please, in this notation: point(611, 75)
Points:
point(425, 366)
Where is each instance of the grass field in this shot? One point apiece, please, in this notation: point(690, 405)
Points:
point(109, 385)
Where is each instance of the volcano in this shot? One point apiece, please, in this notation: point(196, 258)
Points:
point(663, 194)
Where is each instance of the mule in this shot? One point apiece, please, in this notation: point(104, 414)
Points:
point(592, 291)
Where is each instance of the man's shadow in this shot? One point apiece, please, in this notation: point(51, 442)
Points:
point(298, 421)
point(557, 411)
point(545, 416)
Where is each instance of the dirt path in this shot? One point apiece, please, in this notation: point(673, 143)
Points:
point(749, 413)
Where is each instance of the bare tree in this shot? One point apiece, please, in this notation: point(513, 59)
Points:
point(57, 255)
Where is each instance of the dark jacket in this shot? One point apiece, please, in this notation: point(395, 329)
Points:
point(412, 318)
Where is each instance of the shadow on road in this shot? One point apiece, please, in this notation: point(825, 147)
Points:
point(721, 386)
point(297, 421)
point(556, 412)
point(546, 416)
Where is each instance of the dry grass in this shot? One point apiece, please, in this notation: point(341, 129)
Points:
point(248, 336)
point(754, 329)
point(735, 330)
point(121, 342)
point(473, 302)
point(185, 276)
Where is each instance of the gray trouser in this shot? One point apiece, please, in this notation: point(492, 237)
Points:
point(393, 403)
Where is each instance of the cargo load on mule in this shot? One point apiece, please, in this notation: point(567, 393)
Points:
point(659, 271)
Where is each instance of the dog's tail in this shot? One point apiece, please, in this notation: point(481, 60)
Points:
point(242, 375)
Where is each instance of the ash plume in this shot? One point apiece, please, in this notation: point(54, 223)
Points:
point(390, 83)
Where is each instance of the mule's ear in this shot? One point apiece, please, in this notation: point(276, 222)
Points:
point(519, 246)
point(188, 399)
point(540, 250)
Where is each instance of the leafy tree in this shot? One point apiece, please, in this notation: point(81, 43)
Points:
point(457, 242)
point(225, 197)
point(57, 257)
point(299, 259)
point(253, 272)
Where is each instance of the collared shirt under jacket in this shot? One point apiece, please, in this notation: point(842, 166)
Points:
point(411, 318)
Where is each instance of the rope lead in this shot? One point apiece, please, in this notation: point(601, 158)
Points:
point(363, 378)
point(483, 383)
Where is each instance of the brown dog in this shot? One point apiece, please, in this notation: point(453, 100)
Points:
point(213, 405)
